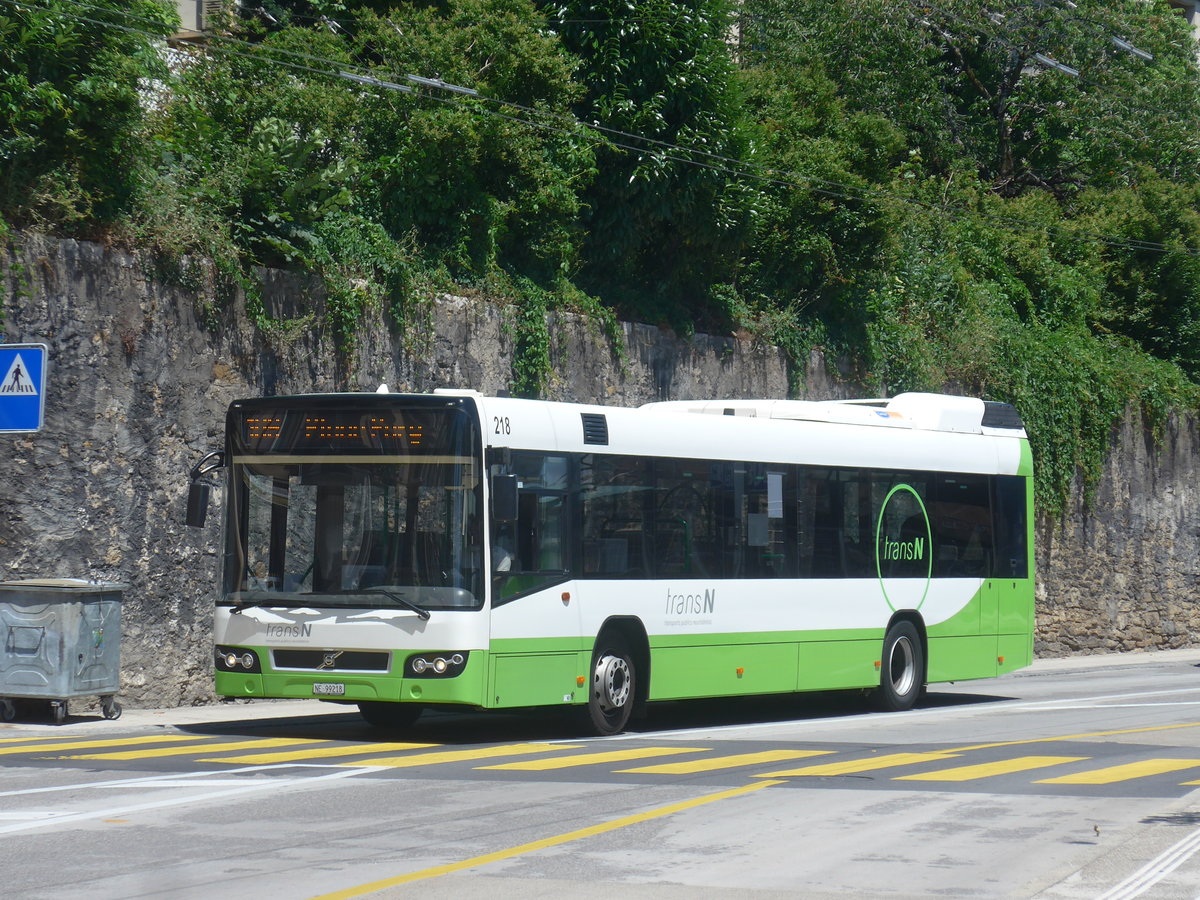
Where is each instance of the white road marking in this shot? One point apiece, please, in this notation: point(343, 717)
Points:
point(1155, 870)
point(43, 818)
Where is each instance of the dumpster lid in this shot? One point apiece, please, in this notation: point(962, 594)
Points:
point(61, 584)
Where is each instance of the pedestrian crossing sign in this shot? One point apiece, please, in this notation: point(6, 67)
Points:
point(23, 386)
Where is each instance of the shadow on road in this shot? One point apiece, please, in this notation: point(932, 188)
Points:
point(439, 726)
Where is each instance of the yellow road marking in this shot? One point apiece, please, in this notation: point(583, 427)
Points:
point(432, 759)
point(988, 770)
point(724, 762)
point(316, 753)
point(21, 740)
point(870, 764)
point(107, 742)
point(533, 846)
point(1113, 774)
point(205, 748)
point(1074, 737)
point(592, 759)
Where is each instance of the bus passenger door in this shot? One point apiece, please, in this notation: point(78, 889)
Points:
point(535, 617)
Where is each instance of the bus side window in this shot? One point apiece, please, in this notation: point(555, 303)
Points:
point(616, 496)
point(1010, 527)
point(962, 526)
point(530, 551)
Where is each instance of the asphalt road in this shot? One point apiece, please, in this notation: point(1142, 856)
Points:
point(1072, 779)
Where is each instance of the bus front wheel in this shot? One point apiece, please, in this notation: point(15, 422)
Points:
point(902, 669)
point(611, 695)
point(390, 716)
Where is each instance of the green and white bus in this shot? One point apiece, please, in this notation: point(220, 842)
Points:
point(402, 551)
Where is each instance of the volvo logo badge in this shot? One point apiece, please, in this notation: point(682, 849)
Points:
point(330, 659)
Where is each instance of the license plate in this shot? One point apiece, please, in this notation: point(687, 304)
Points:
point(329, 688)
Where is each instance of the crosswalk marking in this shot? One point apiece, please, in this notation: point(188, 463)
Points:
point(107, 742)
point(315, 753)
point(447, 756)
point(714, 764)
point(1126, 772)
point(855, 766)
point(205, 748)
point(547, 757)
point(991, 769)
point(592, 759)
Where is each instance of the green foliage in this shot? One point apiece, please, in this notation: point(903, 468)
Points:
point(1009, 317)
point(480, 191)
point(908, 186)
point(965, 83)
point(1013, 232)
point(1152, 297)
point(69, 110)
point(370, 187)
point(531, 356)
point(663, 224)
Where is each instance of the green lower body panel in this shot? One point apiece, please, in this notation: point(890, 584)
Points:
point(1014, 651)
point(961, 658)
point(538, 679)
point(721, 671)
point(733, 669)
point(839, 665)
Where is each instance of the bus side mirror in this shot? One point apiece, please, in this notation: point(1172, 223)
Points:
point(199, 490)
point(197, 508)
point(504, 498)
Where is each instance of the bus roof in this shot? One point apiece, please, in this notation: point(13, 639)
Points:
point(911, 431)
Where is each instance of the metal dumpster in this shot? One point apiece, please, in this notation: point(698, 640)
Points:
point(60, 638)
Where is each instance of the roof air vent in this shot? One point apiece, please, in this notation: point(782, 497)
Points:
point(595, 428)
point(1000, 415)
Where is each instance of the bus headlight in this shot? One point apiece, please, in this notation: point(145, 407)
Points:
point(236, 659)
point(436, 665)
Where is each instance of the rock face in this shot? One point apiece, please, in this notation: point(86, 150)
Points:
point(141, 371)
point(1123, 571)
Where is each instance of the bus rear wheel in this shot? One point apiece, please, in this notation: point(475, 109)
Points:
point(390, 716)
point(611, 694)
point(902, 669)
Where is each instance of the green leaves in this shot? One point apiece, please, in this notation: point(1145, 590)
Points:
point(908, 186)
point(663, 217)
point(69, 110)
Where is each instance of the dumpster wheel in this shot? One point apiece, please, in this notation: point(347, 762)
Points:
point(110, 707)
point(8, 709)
point(58, 711)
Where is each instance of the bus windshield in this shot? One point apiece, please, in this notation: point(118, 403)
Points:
point(356, 505)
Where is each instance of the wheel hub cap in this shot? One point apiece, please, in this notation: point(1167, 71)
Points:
point(611, 682)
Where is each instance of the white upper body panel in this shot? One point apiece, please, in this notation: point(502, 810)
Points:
point(927, 432)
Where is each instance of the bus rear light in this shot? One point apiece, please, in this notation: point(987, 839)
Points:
point(436, 665)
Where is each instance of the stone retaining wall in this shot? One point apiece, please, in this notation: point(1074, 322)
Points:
point(141, 372)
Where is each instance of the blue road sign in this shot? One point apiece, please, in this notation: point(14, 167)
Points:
point(22, 386)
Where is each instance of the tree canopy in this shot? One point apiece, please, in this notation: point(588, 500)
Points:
point(999, 199)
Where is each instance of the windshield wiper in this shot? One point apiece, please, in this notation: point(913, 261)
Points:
point(401, 599)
